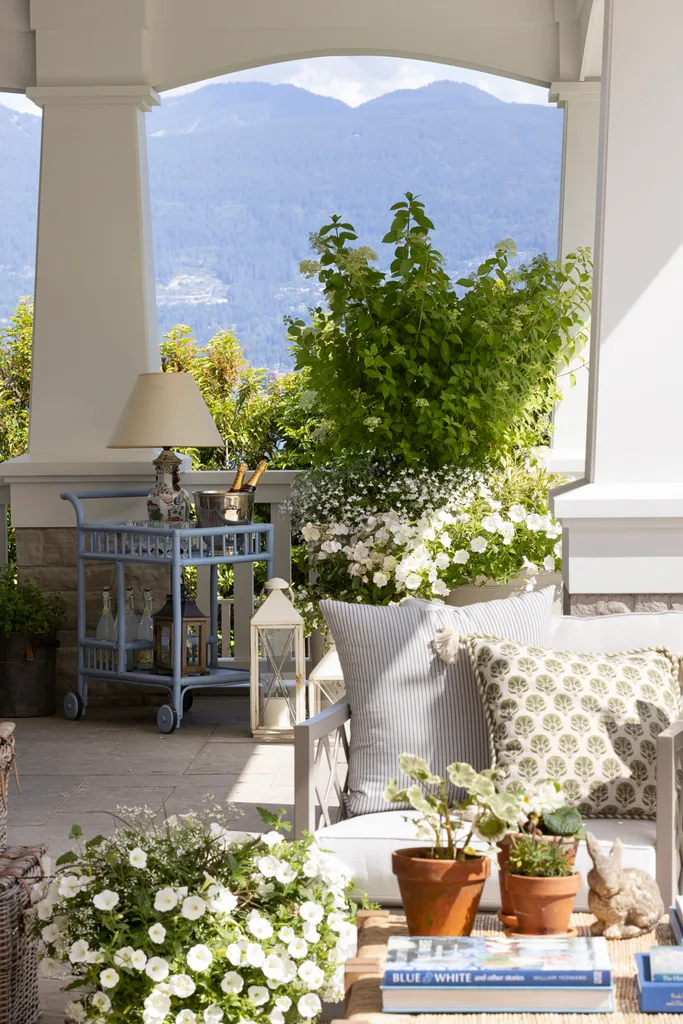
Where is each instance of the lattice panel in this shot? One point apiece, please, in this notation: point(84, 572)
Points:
point(331, 756)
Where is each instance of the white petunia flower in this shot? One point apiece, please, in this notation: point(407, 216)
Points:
point(285, 873)
point(213, 1014)
point(165, 899)
point(78, 951)
point(311, 933)
point(507, 532)
point(200, 957)
point(50, 933)
point(286, 933)
point(440, 588)
point(157, 933)
point(69, 886)
point(558, 549)
point(157, 968)
point(442, 560)
point(534, 522)
point(123, 956)
point(137, 858)
point(76, 1012)
point(274, 967)
point(221, 900)
point(109, 978)
point(186, 1017)
point(45, 909)
point(479, 545)
point(283, 1003)
point(276, 1017)
point(258, 994)
point(138, 960)
point(298, 949)
point(309, 1005)
point(461, 557)
point(259, 926)
point(517, 513)
point(234, 953)
point(101, 1001)
point(413, 581)
point(181, 985)
point(94, 956)
point(254, 954)
point(157, 1005)
point(106, 900)
point(312, 912)
point(380, 579)
point(312, 975)
point(232, 983)
point(549, 563)
point(193, 908)
point(492, 523)
point(267, 866)
point(272, 839)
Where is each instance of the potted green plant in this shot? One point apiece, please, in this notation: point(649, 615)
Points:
point(441, 885)
point(29, 623)
point(542, 884)
point(543, 812)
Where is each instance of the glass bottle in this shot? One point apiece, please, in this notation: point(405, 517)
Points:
point(106, 630)
point(131, 628)
point(253, 480)
point(146, 632)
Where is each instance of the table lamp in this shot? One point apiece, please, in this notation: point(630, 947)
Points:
point(166, 410)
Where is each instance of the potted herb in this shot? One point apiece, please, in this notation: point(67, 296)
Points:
point(29, 623)
point(441, 885)
point(543, 811)
point(542, 884)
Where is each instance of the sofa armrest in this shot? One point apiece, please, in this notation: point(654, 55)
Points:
point(316, 766)
point(669, 811)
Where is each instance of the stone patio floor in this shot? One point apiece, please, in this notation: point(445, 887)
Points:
point(76, 772)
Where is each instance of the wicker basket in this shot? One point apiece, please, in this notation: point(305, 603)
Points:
point(7, 763)
point(20, 869)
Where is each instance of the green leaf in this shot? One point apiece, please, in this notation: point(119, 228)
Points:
point(66, 858)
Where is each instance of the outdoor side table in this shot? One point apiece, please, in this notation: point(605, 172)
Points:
point(157, 545)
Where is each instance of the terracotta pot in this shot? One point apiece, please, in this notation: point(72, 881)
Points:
point(570, 845)
point(440, 897)
point(543, 906)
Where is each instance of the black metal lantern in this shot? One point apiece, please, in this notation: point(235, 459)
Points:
point(194, 629)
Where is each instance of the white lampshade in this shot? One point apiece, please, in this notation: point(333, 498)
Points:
point(165, 410)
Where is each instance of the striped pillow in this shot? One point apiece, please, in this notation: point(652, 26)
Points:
point(404, 698)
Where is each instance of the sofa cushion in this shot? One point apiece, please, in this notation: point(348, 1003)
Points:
point(405, 699)
point(589, 721)
point(613, 633)
point(366, 843)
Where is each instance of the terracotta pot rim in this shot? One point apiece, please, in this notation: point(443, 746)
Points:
point(418, 853)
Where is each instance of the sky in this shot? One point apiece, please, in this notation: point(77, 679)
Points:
point(356, 80)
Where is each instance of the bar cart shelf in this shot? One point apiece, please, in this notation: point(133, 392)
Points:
point(178, 548)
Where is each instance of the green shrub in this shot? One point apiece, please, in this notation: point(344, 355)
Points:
point(25, 609)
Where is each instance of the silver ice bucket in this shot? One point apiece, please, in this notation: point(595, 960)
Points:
point(220, 508)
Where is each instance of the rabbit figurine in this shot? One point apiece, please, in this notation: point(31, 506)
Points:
point(625, 901)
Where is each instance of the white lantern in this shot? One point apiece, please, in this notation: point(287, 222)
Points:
point(278, 666)
point(325, 683)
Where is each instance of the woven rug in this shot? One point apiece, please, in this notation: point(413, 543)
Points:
point(365, 1000)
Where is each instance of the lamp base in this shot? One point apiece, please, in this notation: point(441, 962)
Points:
point(168, 502)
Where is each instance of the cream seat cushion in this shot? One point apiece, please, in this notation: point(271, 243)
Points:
point(365, 844)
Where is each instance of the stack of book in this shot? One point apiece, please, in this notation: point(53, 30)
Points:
point(676, 920)
point(495, 973)
point(660, 979)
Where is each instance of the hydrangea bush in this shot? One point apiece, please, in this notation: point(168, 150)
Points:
point(379, 537)
point(182, 921)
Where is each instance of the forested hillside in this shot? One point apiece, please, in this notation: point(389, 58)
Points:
point(242, 172)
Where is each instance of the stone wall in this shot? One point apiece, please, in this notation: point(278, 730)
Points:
point(48, 557)
point(614, 604)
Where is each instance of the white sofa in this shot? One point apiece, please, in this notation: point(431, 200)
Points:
point(365, 843)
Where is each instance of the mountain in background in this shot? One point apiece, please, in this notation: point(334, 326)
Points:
point(241, 173)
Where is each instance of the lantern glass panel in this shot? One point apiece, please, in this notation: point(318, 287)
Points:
point(275, 695)
point(165, 649)
point(192, 646)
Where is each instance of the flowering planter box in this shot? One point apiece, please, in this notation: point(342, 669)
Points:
point(462, 596)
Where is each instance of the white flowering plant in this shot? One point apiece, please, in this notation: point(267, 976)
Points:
point(180, 921)
point(376, 535)
point(545, 812)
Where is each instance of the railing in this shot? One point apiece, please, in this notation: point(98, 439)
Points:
point(236, 613)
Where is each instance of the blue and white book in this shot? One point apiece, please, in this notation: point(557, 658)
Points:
point(494, 961)
point(496, 1000)
point(666, 964)
point(656, 996)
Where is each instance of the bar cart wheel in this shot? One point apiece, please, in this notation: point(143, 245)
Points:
point(167, 719)
point(73, 706)
point(188, 700)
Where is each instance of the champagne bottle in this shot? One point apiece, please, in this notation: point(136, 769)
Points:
point(105, 631)
point(131, 628)
point(253, 481)
point(146, 633)
point(239, 478)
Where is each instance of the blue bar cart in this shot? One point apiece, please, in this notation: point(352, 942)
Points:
point(178, 548)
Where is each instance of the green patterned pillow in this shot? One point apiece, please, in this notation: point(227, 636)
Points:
point(590, 721)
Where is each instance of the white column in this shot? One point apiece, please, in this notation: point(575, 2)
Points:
point(624, 525)
point(95, 307)
point(581, 104)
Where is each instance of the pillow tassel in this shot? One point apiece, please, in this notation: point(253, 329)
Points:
point(447, 644)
